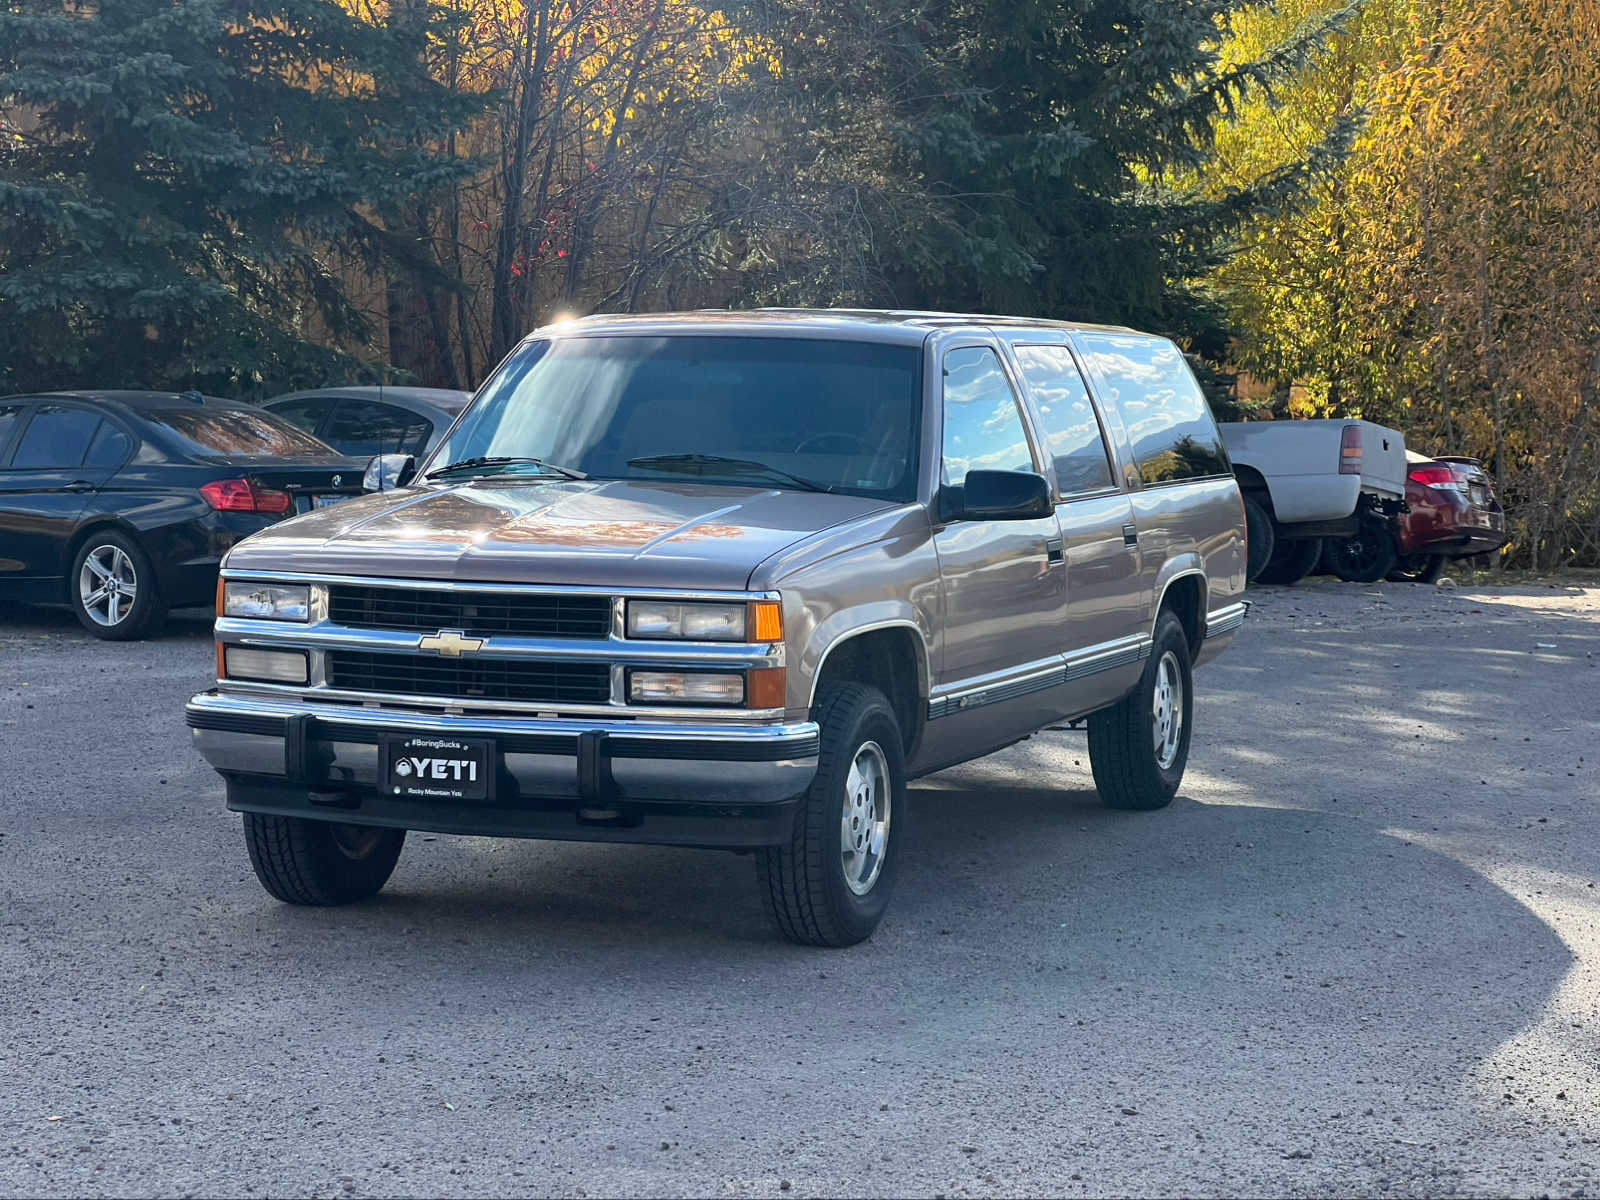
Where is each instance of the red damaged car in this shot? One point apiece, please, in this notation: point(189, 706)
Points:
point(1453, 514)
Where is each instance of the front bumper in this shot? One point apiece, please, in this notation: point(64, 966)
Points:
point(577, 779)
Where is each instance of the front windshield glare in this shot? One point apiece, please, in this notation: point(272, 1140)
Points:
point(838, 415)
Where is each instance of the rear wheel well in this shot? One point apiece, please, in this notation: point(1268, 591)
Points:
point(1254, 484)
point(887, 660)
point(1185, 598)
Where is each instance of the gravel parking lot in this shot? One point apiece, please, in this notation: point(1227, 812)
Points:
point(1358, 955)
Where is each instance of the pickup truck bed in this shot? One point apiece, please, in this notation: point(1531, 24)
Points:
point(1299, 465)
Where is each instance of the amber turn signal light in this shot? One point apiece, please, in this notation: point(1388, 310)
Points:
point(766, 621)
point(766, 688)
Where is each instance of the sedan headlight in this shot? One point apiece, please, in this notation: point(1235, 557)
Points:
point(267, 601)
point(687, 622)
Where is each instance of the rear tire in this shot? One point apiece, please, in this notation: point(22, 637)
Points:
point(1292, 561)
point(1366, 557)
point(1417, 568)
point(320, 863)
point(830, 883)
point(1260, 538)
point(112, 588)
point(1137, 758)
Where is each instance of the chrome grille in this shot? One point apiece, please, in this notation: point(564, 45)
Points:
point(481, 614)
point(525, 680)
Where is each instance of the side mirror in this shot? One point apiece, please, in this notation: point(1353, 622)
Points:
point(997, 496)
point(389, 471)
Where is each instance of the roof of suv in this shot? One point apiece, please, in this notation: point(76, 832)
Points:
point(874, 324)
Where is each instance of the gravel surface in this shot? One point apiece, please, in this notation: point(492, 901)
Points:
point(1358, 955)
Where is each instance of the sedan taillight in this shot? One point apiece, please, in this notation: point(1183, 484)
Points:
point(240, 495)
point(1437, 477)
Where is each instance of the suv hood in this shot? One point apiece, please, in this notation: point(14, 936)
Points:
point(605, 533)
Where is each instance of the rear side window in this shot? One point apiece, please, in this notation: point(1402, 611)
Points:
point(302, 414)
point(1172, 432)
point(364, 427)
point(56, 437)
point(982, 427)
point(234, 432)
point(1066, 419)
point(109, 447)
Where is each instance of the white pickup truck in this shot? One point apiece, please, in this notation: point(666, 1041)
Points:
point(1304, 481)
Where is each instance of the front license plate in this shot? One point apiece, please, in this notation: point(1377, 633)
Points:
point(426, 767)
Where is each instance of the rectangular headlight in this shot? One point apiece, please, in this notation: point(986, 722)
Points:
point(685, 687)
point(267, 601)
point(264, 666)
point(686, 622)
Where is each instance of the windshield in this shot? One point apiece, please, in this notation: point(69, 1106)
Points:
point(235, 432)
point(763, 412)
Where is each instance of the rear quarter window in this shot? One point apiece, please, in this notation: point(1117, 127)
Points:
point(1170, 427)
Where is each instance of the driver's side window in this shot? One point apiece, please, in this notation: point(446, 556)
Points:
point(983, 429)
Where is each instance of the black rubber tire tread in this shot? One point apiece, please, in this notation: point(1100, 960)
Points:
point(1292, 561)
point(1382, 563)
point(802, 884)
point(297, 861)
point(149, 609)
point(1121, 753)
point(1430, 570)
point(1260, 538)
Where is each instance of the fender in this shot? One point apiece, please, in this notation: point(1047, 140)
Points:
point(863, 618)
point(1180, 566)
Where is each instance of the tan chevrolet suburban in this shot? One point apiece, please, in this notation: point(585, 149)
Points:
point(733, 580)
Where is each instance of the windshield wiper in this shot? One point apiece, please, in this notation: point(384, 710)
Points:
point(717, 464)
point(477, 464)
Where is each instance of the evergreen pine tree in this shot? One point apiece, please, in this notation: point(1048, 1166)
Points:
point(1014, 155)
point(175, 175)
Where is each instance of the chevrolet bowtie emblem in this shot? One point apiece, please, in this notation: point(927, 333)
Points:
point(451, 643)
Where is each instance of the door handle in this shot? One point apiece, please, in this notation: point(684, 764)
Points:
point(1053, 551)
point(1130, 535)
point(80, 485)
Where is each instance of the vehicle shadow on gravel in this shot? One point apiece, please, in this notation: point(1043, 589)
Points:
point(23, 621)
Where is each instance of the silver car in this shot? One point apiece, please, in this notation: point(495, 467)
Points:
point(373, 420)
point(734, 580)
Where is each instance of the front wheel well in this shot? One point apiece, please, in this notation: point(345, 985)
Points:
point(886, 659)
point(1185, 598)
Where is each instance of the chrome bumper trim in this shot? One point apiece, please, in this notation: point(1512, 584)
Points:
point(687, 762)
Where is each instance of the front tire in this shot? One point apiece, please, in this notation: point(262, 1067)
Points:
point(1139, 746)
point(320, 863)
point(1417, 568)
point(830, 883)
point(112, 588)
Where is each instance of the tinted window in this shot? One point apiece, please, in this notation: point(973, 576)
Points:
point(234, 432)
point(1169, 425)
point(56, 437)
point(838, 414)
point(303, 414)
point(8, 426)
point(363, 427)
point(982, 428)
point(1066, 418)
point(110, 446)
